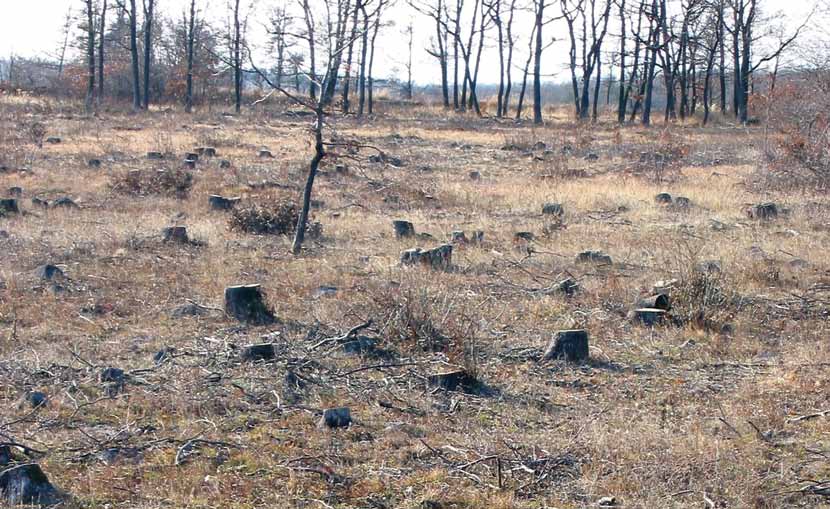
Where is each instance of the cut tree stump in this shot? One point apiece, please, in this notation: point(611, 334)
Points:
point(682, 203)
point(94, 163)
point(15, 191)
point(9, 206)
point(65, 202)
point(571, 345)
point(217, 202)
point(53, 140)
point(265, 154)
point(663, 199)
point(658, 301)
point(155, 155)
point(25, 483)
point(224, 163)
point(206, 151)
point(475, 175)
point(246, 303)
point(553, 209)
point(261, 352)
point(454, 380)
point(48, 272)
point(477, 237)
point(175, 234)
point(403, 229)
point(648, 316)
point(762, 211)
point(439, 258)
point(458, 237)
point(336, 418)
point(594, 257)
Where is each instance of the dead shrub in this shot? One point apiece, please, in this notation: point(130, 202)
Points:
point(277, 217)
point(176, 183)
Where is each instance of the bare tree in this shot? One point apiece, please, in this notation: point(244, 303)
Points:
point(191, 42)
point(149, 13)
point(102, 31)
point(89, 26)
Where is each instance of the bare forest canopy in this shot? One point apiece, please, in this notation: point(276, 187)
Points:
point(501, 58)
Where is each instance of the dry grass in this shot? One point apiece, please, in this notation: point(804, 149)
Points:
point(669, 416)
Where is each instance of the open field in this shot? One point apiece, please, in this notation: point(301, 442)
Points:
point(723, 404)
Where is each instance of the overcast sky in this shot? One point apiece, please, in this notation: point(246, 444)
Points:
point(33, 28)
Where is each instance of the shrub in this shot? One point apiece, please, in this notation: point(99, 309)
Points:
point(276, 218)
point(176, 183)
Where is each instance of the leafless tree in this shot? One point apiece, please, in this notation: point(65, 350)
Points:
point(89, 27)
point(191, 43)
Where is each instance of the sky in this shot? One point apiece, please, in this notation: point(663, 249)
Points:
point(33, 28)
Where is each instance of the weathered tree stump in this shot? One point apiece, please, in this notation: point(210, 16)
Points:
point(523, 237)
point(260, 352)
point(663, 199)
point(191, 156)
point(658, 301)
point(175, 234)
point(190, 164)
point(664, 287)
point(477, 237)
point(682, 203)
point(155, 155)
point(48, 272)
point(94, 163)
point(571, 345)
point(246, 303)
point(553, 209)
point(594, 258)
point(361, 345)
point(111, 374)
point(336, 418)
point(475, 175)
point(24, 483)
point(217, 202)
point(648, 316)
point(567, 286)
point(454, 380)
point(224, 164)
point(9, 206)
point(341, 169)
point(64, 202)
point(15, 191)
point(265, 154)
point(206, 151)
point(53, 140)
point(403, 229)
point(439, 258)
point(762, 211)
point(458, 237)
point(40, 202)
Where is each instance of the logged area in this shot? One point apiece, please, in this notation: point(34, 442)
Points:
point(481, 315)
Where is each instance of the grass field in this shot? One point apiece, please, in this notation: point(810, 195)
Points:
point(722, 404)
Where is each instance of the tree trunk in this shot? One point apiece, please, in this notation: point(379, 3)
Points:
point(537, 64)
point(349, 59)
point(134, 55)
point(319, 153)
point(191, 35)
point(237, 59)
point(103, 31)
point(90, 54)
point(148, 48)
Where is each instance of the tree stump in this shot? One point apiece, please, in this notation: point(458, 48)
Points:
point(475, 175)
point(9, 206)
point(762, 211)
point(658, 301)
point(403, 229)
point(48, 272)
point(190, 164)
point(553, 209)
point(265, 154)
point(15, 191)
point(39, 202)
point(175, 234)
point(53, 140)
point(682, 203)
point(206, 151)
point(191, 156)
point(454, 380)
point(439, 258)
point(65, 202)
point(663, 199)
point(594, 258)
point(336, 418)
point(567, 287)
point(664, 287)
point(25, 484)
point(94, 163)
point(246, 303)
point(458, 237)
point(224, 164)
point(523, 237)
point(261, 352)
point(217, 202)
point(572, 345)
point(648, 316)
point(155, 155)
point(36, 399)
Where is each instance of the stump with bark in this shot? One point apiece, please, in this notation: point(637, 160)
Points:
point(657, 301)
point(336, 418)
point(175, 234)
point(663, 199)
point(571, 345)
point(553, 209)
point(9, 206)
point(403, 229)
point(648, 316)
point(246, 303)
point(763, 211)
point(594, 258)
point(217, 202)
point(260, 352)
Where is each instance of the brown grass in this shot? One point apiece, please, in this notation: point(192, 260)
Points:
point(660, 417)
